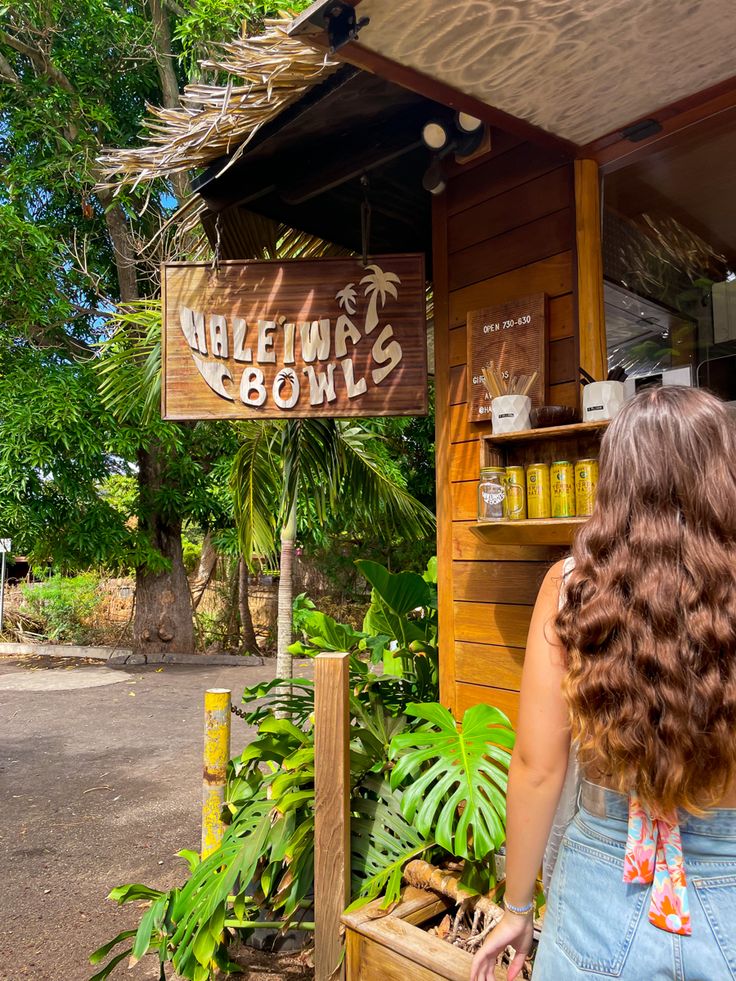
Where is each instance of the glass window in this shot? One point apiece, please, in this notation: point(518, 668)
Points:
point(669, 255)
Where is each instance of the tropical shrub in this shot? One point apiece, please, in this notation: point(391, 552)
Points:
point(421, 786)
point(62, 606)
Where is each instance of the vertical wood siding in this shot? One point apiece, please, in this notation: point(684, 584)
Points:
point(503, 228)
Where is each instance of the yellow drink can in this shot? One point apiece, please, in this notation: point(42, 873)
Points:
point(562, 489)
point(586, 482)
point(515, 494)
point(537, 490)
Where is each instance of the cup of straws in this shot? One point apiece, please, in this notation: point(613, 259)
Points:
point(510, 402)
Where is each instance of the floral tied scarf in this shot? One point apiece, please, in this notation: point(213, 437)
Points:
point(654, 854)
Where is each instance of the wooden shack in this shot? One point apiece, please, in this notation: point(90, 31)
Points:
point(568, 97)
point(602, 183)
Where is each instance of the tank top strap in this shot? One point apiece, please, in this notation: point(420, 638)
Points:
point(654, 855)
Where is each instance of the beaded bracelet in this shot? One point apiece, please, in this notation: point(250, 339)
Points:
point(519, 910)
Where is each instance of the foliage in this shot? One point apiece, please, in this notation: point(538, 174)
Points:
point(73, 77)
point(399, 630)
point(411, 439)
point(53, 434)
point(191, 552)
point(323, 462)
point(208, 22)
point(460, 794)
point(408, 762)
point(62, 606)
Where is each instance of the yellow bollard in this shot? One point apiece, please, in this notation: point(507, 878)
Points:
point(216, 756)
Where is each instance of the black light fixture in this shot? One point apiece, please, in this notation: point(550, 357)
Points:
point(434, 180)
point(642, 130)
point(342, 24)
point(435, 134)
point(461, 136)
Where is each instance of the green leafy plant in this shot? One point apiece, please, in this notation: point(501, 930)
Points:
point(421, 786)
point(63, 606)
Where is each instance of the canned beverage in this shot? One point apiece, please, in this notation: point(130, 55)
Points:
point(515, 493)
point(586, 481)
point(537, 490)
point(562, 489)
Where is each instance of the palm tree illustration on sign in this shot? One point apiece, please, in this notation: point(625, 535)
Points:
point(379, 285)
point(346, 298)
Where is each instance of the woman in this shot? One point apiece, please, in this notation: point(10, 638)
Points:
point(632, 654)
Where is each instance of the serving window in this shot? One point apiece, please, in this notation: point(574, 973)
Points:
point(669, 262)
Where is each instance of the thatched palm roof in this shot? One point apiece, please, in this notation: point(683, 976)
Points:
point(265, 74)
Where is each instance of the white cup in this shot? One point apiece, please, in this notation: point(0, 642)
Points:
point(602, 400)
point(510, 413)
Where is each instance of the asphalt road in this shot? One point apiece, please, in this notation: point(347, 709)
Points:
point(100, 784)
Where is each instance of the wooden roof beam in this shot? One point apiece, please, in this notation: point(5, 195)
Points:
point(306, 175)
point(354, 53)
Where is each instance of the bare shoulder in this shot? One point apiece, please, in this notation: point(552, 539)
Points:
point(550, 588)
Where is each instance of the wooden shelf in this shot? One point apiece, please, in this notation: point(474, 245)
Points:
point(549, 432)
point(532, 531)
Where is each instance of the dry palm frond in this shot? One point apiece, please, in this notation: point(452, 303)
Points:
point(265, 73)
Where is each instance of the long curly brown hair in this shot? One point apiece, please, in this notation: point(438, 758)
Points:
point(649, 617)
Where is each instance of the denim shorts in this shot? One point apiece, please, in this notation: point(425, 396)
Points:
point(597, 926)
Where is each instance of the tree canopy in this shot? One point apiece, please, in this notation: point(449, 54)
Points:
point(79, 321)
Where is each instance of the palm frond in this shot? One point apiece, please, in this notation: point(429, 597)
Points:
point(369, 488)
point(256, 490)
point(311, 459)
point(130, 362)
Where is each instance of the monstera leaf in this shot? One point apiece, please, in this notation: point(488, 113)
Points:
point(454, 777)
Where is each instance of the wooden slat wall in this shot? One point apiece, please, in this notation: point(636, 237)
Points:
point(503, 228)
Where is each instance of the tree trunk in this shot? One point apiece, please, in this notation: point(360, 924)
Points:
point(248, 642)
point(122, 246)
point(163, 609)
point(207, 562)
point(284, 620)
point(232, 627)
point(165, 60)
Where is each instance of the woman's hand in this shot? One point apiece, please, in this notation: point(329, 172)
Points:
point(513, 931)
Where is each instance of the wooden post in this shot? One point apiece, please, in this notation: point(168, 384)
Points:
point(588, 232)
point(214, 771)
point(331, 811)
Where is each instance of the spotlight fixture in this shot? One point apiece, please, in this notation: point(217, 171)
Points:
point(467, 123)
point(433, 180)
point(435, 135)
point(462, 137)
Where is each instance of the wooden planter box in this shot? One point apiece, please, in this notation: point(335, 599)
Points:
point(393, 947)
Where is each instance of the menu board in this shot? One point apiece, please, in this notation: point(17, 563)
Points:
point(514, 336)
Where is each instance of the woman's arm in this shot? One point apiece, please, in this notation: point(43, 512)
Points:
point(536, 777)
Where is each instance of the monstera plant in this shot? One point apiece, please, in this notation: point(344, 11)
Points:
point(424, 790)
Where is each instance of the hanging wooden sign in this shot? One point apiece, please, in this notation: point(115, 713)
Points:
point(312, 337)
point(514, 336)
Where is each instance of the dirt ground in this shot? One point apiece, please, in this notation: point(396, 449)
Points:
point(100, 783)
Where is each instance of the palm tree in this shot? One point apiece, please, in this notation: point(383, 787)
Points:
point(333, 464)
point(379, 285)
point(346, 298)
